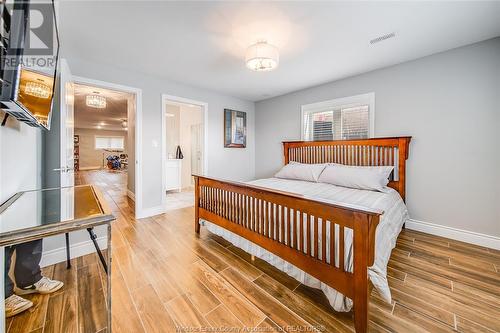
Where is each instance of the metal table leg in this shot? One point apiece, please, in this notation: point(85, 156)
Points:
point(68, 256)
point(108, 278)
point(93, 236)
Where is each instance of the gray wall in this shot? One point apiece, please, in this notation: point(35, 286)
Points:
point(448, 102)
point(242, 160)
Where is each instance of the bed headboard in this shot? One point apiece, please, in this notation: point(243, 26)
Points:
point(361, 152)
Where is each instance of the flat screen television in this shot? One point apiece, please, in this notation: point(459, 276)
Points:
point(29, 50)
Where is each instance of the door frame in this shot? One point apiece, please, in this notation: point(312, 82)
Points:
point(139, 209)
point(204, 106)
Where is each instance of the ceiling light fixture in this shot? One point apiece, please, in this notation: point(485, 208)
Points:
point(124, 123)
point(37, 89)
point(96, 101)
point(262, 57)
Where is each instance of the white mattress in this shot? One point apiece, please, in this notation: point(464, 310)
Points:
point(391, 222)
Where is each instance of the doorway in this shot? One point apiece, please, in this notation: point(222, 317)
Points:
point(185, 150)
point(103, 138)
point(123, 115)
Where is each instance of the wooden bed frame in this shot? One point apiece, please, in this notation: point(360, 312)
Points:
point(269, 218)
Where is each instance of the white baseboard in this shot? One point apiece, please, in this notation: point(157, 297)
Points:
point(131, 194)
point(90, 168)
point(58, 255)
point(147, 212)
point(456, 234)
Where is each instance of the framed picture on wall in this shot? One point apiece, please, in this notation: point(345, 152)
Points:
point(235, 129)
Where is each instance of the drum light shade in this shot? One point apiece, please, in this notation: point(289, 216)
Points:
point(96, 101)
point(262, 57)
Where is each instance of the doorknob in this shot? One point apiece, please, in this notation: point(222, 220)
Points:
point(65, 169)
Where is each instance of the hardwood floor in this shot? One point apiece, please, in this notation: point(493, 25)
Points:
point(165, 276)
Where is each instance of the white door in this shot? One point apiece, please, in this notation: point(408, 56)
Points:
point(67, 144)
point(197, 149)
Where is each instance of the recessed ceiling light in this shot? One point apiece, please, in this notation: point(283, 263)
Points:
point(98, 126)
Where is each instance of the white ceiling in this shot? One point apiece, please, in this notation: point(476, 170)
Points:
point(109, 118)
point(203, 43)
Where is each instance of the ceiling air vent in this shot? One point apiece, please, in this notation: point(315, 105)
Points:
point(382, 38)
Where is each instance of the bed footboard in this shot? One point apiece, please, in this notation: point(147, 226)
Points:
point(307, 233)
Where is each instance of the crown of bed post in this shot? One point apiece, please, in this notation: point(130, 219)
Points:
point(361, 152)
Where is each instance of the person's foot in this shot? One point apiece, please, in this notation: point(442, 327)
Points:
point(15, 305)
point(44, 286)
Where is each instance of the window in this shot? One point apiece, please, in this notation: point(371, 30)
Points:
point(339, 119)
point(110, 142)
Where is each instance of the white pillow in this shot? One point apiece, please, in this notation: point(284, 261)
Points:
point(301, 171)
point(374, 178)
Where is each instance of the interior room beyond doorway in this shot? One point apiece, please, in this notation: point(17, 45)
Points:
point(104, 132)
point(184, 129)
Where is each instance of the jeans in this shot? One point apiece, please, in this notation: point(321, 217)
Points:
point(27, 270)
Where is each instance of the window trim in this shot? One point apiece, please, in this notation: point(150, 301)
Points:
point(109, 136)
point(368, 98)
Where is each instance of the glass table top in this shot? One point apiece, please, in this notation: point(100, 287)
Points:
point(31, 209)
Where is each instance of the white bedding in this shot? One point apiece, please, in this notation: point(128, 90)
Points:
point(391, 222)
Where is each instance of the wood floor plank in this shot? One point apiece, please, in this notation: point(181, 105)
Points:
point(419, 273)
point(397, 274)
point(222, 319)
point(465, 307)
point(422, 306)
point(268, 305)
point(422, 321)
point(276, 274)
point(125, 317)
point(131, 268)
point(386, 321)
point(244, 310)
point(234, 261)
point(303, 308)
point(62, 308)
point(186, 283)
point(186, 315)
point(161, 283)
point(467, 326)
point(474, 293)
point(480, 280)
point(151, 310)
point(92, 312)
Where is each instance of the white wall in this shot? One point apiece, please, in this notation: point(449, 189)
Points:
point(448, 102)
point(242, 165)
